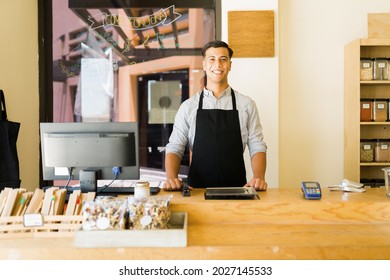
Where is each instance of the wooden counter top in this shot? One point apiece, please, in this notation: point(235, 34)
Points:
point(281, 225)
point(287, 206)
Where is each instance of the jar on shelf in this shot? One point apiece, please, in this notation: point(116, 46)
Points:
point(366, 109)
point(366, 69)
point(388, 68)
point(382, 150)
point(380, 109)
point(367, 150)
point(388, 106)
point(381, 68)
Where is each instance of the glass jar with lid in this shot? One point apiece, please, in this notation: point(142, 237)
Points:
point(388, 107)
point(367, 150)
point(380, 110)
point(366, 69)
point(380, 68)
point(366, 110)
point(142, 191)
point(382, 150)
point(388, 68)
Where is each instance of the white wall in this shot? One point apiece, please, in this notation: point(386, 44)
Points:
point(300, 92)
point(258, 78)
point(312, 37)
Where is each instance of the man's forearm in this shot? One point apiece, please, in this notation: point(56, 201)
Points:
point(172, 165)
point(259, 164)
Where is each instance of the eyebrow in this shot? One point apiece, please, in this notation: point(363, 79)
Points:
point(223, 56)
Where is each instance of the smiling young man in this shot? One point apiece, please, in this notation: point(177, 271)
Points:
point(217, 123)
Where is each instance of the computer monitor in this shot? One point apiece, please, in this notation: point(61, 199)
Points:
point(78, 150)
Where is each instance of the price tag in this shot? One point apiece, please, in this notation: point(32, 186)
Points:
point(32, 220)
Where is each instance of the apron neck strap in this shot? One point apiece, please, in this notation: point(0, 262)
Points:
point(233, 99)
point(200, 106)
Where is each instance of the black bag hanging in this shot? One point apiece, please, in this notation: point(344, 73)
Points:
point(9, 162)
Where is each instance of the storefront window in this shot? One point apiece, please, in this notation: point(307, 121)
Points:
point(123, 60)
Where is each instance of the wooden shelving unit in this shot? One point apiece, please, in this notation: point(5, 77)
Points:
point(354, 90)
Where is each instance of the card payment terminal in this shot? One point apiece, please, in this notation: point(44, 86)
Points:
point(311, 190)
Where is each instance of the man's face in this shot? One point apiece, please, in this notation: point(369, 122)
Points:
point(217, 64)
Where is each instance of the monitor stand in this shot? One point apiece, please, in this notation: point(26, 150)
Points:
point(88, 180)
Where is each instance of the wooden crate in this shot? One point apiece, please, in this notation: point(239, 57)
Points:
point(53, 226)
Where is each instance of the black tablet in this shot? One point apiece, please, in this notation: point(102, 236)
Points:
point(230, 193)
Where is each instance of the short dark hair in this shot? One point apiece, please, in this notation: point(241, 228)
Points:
point(216, 44)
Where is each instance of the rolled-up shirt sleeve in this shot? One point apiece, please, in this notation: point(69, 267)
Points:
point(178, 139)
point(255, 139)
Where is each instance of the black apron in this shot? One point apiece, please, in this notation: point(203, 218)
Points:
point(217, 156)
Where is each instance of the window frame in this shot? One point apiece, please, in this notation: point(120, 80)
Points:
point(45, 39)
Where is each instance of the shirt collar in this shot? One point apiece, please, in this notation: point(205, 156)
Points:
point(209, 93)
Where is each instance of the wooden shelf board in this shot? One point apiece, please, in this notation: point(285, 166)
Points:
point(374, 123)
point(375, 164)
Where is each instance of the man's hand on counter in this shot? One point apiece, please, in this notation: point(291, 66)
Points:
point(173, 184)
point(258, 184)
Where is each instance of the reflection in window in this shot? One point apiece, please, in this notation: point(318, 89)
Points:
point(101, 54)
